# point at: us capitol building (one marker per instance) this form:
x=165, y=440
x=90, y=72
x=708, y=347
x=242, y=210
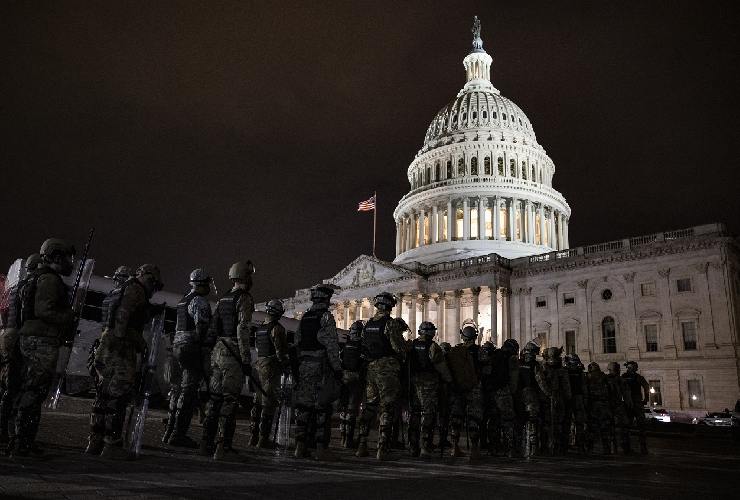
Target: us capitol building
x=482, y=234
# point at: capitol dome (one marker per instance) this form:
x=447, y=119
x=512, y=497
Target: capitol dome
x=481, y=183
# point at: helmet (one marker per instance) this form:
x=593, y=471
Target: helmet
x=469, y=332
x=427, y=328
x=593, y=367
x=199, y=277
x=322, y=292
x=614, y=368
x=241, y=270
x=153, y=271
x=122, y=273
x=445, y=347
x=531, y=347
x=633, y=363
x=573, y=361
x=357, y=327
x=385, y=301
x=275, y=307
x=552, y=356
x=33, y=261
x=511, y=345
x=56, y=245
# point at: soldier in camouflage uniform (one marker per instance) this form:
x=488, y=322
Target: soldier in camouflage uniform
x=498, y=391
x=11, y=361
x=191, y=330
x=555, y=385
x=126, y=311
x=427, y=366
x=465, y=398
x=384, y=349
x=639, y=393
x=228, y=339
x=271, y=343
x=599, y=408
x=444, y=405
x=350, y=352
x=575, y=412
x=47, y=321
x=319, y=374
x=529, y=397
x=619, y=401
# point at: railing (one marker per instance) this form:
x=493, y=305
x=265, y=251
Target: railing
x=458, y=264
x=642, y=240
x=681, y=233
x=604, y=247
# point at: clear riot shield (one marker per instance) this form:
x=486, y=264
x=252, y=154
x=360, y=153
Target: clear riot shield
x=283, y=439
x=16, y=272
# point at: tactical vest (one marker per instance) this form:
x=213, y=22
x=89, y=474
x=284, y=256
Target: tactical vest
x=598, y=386
x=420, y=360
x=263, y=341
x=350, y=354
x=526, y=376
x=500, y=375
x=137, y=319
x=575, y=377
x=185, y=322
x=309, y=327
x=633, y=383
x=374, y=340
x=228, y=316
x=27, y=296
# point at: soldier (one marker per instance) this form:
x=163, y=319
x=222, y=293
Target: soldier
x=576, y=409
x=271, y=343
x=465, y=398
x=228, y=337
x=555, y=385
x=11, y=361
x=121, y=275
x=639, y=391
x=444, y=405
x=350, y=353
x=620, y=400
x=499, y=391
x=384, y=349
x=599, y=408
x=126, y=311
x=191, y=330
x=529, y=397
x=318, y=362
x=47, y=320
x=427, y=366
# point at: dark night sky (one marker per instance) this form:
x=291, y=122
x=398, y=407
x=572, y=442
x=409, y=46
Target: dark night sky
x=196, y=134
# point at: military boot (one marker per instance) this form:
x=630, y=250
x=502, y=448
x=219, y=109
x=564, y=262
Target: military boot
x=324, y=454
x=265, y=429
x=180, y=436
x=95, y=444
x=255, y=417
x=168, y=428
x=362, y=448
x=455, y=450
x=209, y=434
x=383, y=453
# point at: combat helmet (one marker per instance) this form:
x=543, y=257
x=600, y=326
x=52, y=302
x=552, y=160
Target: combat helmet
x=53, y=246
x=357, y=327
x=573, y=361
x=275, y=307
x=511, y=345
x=614, y=368
x=32, y=262
x=121, y=274
x=322, y=292
x=385, y=301
x=153, y=271
x=241, y=270
x=427, y=328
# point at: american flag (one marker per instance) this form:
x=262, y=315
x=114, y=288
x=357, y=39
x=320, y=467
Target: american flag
x=367, y=205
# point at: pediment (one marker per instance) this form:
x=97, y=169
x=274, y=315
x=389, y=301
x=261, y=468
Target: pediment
x=366, y=270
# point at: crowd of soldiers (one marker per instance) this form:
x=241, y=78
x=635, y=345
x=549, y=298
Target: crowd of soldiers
x=378, y=375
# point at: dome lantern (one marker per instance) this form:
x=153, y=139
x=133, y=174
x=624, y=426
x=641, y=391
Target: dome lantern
x=478, y=63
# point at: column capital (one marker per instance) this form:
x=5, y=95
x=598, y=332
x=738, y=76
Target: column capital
x=664, y=272
x=458, y=293
x=475, y=290
x=582, y=283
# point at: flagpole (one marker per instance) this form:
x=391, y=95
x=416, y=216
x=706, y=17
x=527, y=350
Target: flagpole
x=375, y=219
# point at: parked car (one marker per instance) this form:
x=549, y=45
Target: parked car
x=716, y=419
x=657, y=415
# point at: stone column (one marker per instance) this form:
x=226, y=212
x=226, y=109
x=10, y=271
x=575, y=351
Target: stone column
x=409, y=231
x=398, y=309
x=422, y=227
x=476, y=303
x=554, y=243
x=466, y=218
x=449, y=220
x=496, y=216
x=347, y=321
x=505, y=314
x=425, y=307
x=442, y=317
x=567, y=238
x=433, y=225
x=530, y=222
x=358, y=309
x=482, y=218
x=541, y=210
x=456, y=309
x=512, y=219
x=412, y=316
x=493, y=291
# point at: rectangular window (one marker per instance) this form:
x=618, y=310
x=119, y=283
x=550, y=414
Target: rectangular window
x=656, y=398
x=648, y=289
x=609, y=337
x=651, y=338
x=696, y=394
x=688, y=331
x=569, y=299
x=683, y=285
x=541, y=301
x=570, y=342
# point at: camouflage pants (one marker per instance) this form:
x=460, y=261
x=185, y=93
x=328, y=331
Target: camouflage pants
x=575, y=417
x=424, y=402
x=264, y=407
x=11, y=366
x=600, y=420
x=635, y=415
x=310, y=402
x=349, y=401
x=529, y=411
x=553, y=421
x=499, y=417
x=40, y=356
x=382, y=392
x=188, y=364
x=620, y=426
x=466, y=410
x=115, y=363
x=225, y=385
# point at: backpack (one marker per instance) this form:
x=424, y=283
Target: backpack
x=462, y=364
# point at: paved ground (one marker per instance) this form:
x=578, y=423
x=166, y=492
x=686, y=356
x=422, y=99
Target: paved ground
x=677, y=467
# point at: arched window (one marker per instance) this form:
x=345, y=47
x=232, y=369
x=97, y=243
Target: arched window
x=534, y=176
x=464, y=116
x=494, y=115
x=475, y=115
x=436, y=172
x=460, y=167
x=540, y=176
x=449, y=169
x=413, y=181
x=609, y=335
x=485, y=114
x=487, y=165
x=524, y=171
x=503, y=115
x=500, y=166
x=428, y=177
x=512, y=167
x=474, y=166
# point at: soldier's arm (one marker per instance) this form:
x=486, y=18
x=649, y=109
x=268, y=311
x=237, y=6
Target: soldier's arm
x=327, y=335
x=440, y=363
x=394, y=329
x=212, y=334
x=280, y=341
x=133, y=296
x=200, y=310
x=539, y=376
x=48, y=305
x=245, y=308
x=513, y=374
x=645, y=390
